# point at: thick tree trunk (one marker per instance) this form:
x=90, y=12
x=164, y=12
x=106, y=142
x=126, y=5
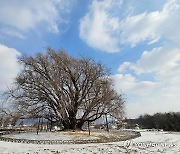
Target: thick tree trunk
x=79, y=125
x=69, y=124
x=72, y=124
x=66, y=125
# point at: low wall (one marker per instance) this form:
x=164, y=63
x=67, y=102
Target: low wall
x=130, y=135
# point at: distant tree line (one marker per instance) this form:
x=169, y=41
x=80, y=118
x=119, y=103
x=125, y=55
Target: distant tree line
x=166, y=121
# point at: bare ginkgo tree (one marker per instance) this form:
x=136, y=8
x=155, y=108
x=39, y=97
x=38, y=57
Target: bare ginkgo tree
x=58, y=87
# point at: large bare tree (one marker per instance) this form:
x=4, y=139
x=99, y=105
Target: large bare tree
x=62, y=88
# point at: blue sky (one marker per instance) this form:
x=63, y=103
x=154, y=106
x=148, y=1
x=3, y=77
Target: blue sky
x=138, y=40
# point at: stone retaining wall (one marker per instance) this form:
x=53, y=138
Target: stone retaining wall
x=123, y=138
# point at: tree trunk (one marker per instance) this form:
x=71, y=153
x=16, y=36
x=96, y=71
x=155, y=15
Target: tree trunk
x=79, y=125
x=72, y=124
x=69, y=124
x=66, y=124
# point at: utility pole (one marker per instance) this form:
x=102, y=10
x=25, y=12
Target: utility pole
x=2, y=115
x=89, y=129
x=38, y=126
x=107, y=123
x=42, y=124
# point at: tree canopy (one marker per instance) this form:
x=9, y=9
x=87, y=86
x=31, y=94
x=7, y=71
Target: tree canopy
x=58, y=87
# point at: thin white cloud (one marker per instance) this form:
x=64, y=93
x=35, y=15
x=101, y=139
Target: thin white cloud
x=124, y=67
x=129, y=84
x=153, y=26
x=159, y=95
x=11, y=32
x=159, y=61
x=21, y=16
x=103, y=29
x=9, y=66
x=98, y=28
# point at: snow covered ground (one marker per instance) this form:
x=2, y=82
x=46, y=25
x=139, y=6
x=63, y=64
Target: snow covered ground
x=69, y=135
x=149, y=142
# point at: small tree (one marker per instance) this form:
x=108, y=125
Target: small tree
x=6, y=121
x=12, y=113
x=1, y=121
x=62, y=88
x=15, y=118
